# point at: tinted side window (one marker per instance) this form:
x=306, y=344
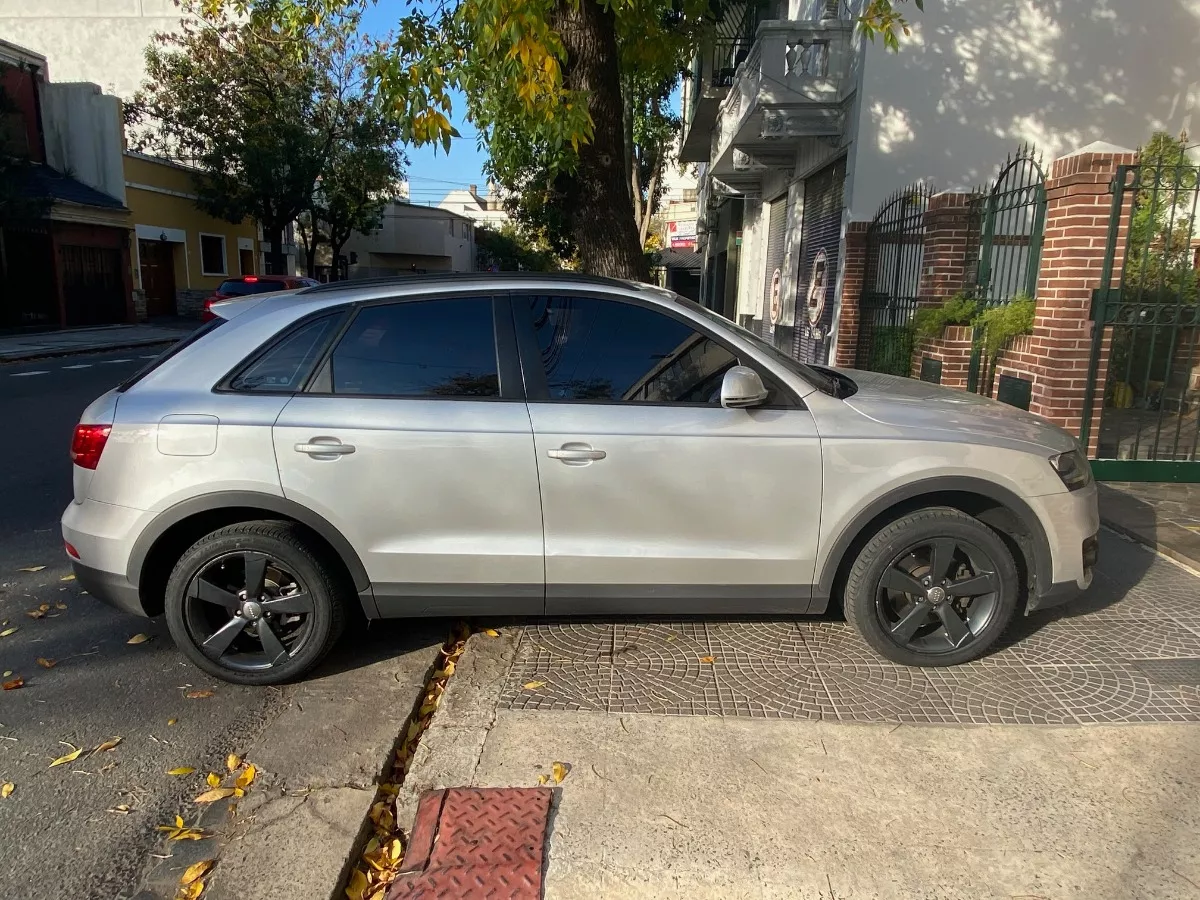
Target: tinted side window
x=594, y=349
x=287, y=365
x=422, y=348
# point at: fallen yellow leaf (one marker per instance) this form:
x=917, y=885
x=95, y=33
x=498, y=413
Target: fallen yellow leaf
x=190, y=891
x=46, y=663
x=31, y=569
x=108, y=745
x=67, y=578
x=561, y=771
x=13, y=684
x=181, y=770
x=358, y=886
x=36, y=614
x=60, y=606
x=533, y=685
x=172, y=721
x=213, y=779
x=45, y=607
x=70, y=757
x=543, y=779
x=121, y=808
x=708, y=659
x=6, y=789
x=138, y=639
x=196, y=870
x=492, y=632
x=7, y=672
x=7, y=631
x=246, y=778
x=214, y=795
x=232, y=761
x=197, y=695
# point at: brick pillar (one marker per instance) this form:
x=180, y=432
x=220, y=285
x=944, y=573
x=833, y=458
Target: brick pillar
x=1078, y=208
x=944, y=274
x=853, y=272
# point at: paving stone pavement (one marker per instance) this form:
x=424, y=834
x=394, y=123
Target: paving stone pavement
x=1126, y=651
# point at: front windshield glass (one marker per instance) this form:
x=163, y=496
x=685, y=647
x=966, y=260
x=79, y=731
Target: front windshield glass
x=819, y=380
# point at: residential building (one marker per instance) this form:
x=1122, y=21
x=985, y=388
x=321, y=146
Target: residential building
x=71, y=267
x=181, y=254
x=413, y=239
x=798, y=125
x=483, y=209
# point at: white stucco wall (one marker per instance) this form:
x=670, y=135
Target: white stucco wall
x=102, y=41
x=980, y=76
x=417, y=231
x=84, y=135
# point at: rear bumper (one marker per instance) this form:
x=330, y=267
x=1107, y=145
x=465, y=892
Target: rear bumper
x=115, y=590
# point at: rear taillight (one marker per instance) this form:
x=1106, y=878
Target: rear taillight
x=88, y=443
x=71, y=551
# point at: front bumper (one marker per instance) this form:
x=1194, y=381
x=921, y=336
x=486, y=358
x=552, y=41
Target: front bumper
x=1060, y=592
x=115, y=590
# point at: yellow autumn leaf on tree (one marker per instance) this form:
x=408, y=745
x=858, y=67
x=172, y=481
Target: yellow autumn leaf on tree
x=214, y=795
x=196, y=871
x=181, y=770
x=6, y=789
x=232, y=761
x=246, y=778
x=70, y=757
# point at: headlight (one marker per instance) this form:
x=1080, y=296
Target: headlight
x=1073, y=469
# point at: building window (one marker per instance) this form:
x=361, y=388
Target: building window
x=689, y=195
x=212, y=254
x=450, y=222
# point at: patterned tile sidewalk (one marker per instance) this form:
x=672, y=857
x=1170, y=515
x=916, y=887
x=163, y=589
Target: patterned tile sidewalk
x=1127, y=651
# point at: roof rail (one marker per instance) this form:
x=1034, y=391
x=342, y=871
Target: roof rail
x=444, y=277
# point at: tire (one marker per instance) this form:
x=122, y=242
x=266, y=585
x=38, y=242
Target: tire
x=883, y=604
x=301, y=601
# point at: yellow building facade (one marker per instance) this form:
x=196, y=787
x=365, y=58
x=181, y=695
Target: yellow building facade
x=180, y=253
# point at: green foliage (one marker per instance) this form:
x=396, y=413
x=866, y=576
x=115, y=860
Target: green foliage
x=883, y=18
x=1158, y=260
x=510, y=250
x=997, y=325
x=892, y=349
x=930, y=321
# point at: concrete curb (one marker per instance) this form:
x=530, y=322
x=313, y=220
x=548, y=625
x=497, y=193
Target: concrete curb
x=76, y=351
x=1148, y=540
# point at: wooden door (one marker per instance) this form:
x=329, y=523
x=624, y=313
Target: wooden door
x=158, y=277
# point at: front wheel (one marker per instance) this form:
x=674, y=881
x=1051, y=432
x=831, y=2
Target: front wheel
x=934, y=588
x=255, y=603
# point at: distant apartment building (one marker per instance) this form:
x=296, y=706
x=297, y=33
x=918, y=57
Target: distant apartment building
x=413, y=239
x=482, y=209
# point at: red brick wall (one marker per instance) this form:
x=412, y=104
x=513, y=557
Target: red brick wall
x=852, y=286
x=944, y=267
x=953, y=349
x=1078, y=209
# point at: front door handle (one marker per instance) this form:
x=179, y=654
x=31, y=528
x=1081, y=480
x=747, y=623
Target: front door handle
x=325, y=448
x=576, y=454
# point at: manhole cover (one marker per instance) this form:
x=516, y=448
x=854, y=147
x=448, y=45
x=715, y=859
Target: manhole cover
x=1170, y=671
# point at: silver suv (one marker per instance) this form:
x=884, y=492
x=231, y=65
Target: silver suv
x=480, y=445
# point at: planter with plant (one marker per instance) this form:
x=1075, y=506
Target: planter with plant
x=931, y=322
x=996, y=326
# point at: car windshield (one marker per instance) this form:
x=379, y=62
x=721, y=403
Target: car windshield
x=826, y=384
x=239, y=288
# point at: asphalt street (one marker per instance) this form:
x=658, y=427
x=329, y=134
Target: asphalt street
x=60, y=834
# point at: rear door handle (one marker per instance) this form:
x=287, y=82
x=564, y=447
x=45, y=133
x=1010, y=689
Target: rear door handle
x=325, y=448
x=576, y=454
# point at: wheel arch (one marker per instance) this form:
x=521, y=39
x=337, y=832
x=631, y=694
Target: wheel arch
x=993, y=504
x=176, y=528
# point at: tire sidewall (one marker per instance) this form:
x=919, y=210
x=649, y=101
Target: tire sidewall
x=881, y=550
x=210, y=548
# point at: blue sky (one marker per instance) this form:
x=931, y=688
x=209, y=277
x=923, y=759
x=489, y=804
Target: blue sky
x=431, y=172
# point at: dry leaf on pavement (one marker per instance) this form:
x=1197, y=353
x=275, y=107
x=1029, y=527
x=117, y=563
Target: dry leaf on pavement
x=190, y=891
x=46, y=663
x=121, y=809
x=172, y=721
x=31, y=569
x=181, y=832
x=561, y=770
x=7, y=631
x=246, y=778
x=60, y=606
x=213, y=779
x=197, y=695
x=708, y=659
x=533, y=685
x=70, y=757
x=6, y=789
x=195, y=871
x=108, y=745
x=67, y=578
x=35, y=614
x=13, y=684
x=212, y=796
x=232, y=761
x=181, y=770
x=138, y=639
x=492, y=632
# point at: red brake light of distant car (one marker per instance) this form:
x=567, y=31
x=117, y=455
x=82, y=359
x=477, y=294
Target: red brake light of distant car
x=250, y=279
x=88, y=443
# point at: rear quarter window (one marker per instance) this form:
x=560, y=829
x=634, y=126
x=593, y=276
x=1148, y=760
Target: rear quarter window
x=200, y=332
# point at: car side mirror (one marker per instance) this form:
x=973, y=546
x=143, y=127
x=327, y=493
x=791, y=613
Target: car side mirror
x=741, y=388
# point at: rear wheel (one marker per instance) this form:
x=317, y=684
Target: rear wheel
x=255, y=603
x=934, y=588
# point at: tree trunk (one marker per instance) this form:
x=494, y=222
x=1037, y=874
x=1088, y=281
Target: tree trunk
x=647, y=211
x=596, y=196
